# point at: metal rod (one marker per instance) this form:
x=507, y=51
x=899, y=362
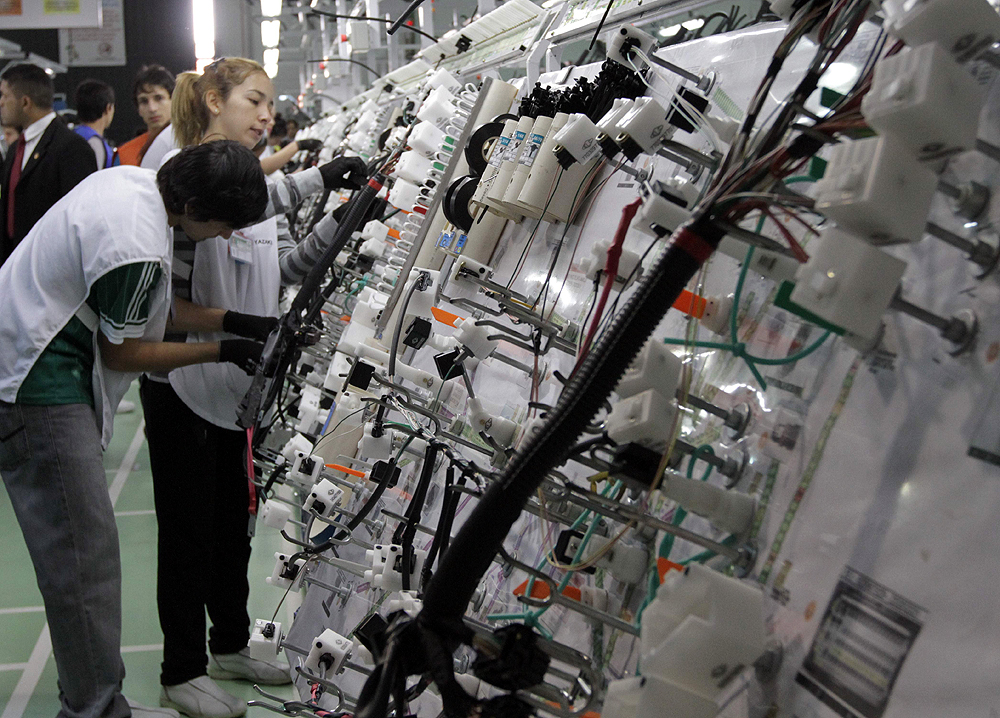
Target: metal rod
x=955, y=240
x=919, y=313
x=699, y=403
x=676, y=69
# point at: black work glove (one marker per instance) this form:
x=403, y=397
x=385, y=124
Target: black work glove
x=244, y=353
x=248, y=325
x=310, y=144
x=344, y=173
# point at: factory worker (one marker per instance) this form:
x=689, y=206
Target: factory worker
x=202, y=494
x=86, y=297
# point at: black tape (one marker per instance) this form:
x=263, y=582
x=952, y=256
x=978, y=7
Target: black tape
x=477, y=150
x=456, y=202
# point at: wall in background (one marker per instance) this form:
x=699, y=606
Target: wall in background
x=155, y=32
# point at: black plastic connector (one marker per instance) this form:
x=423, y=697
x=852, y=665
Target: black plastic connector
x=378, y=472
x=417, y=334
x=521, y=663
x=361, y=375
x=635, y=465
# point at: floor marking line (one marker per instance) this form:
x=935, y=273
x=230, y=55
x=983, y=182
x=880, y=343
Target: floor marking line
x=141, y=512
x=12, y=667
x=22, y=609
x=143, y=649
x=25, y=688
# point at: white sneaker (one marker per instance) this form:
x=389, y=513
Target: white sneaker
x=240, y=666
x=202, y=697
x=141, y=711
x=125, y=407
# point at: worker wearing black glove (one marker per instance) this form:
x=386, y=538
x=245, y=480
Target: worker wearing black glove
x=244, y=353
x=248, y=325
x=310, y=144
x=344, y=173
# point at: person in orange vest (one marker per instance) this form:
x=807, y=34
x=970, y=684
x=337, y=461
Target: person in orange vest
x=153, y=88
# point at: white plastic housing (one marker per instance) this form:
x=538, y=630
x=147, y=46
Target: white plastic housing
x=767, y=264
x=964, y=27
x=662, y=213
x=699, y=620
x=376, y=448
x=608, y=124
x=641, y=40
x=407, y=602
x=877, y=189
x=729, y=511
x=644, y=419
x=298, y=444
x=924, y=97
x=716, y=315
x=328, y=653
x=848, y=282
x=426, y=139
x=274, y=514
x=645, y=124
x=306, y=468
x=596, y=261
x=386, y=572
x=622, y=698
x=475, y=338
x=282, y=566
x=579, y=138
x=265, y=641
x=655, y=367
x=324, y=498
x=498, y=428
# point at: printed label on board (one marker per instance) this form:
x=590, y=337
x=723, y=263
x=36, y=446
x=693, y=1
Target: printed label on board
x=498, y=154
x=514, y=146
x=460, y=244
x=531, y=151
x=865, y=635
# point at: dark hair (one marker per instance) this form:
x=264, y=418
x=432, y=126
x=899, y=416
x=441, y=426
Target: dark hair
x=31, y=80
x=92, y=99
x=216, y=181
x=280, y=128
x=152, y=76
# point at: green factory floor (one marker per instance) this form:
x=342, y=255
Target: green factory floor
x=27, y=669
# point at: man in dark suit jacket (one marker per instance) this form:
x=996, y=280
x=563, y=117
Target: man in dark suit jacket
x=51, y=158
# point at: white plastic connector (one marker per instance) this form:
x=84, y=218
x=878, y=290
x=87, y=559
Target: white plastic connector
x=665, y=206
x=387, y=567
x=726, y=510
x=609, y=124
x=309, y=410
x=644, y=419
x=306, y=469
x=464, y=266
x=716, y=315
x=876, y=189
x=274, y=514
x=298, y=444
x=577, y=140
x=324, y=498
x=498, y=428
x=964, y=27
x=625, y=562
x=625, y=41
x=643, y=127
x=376, y=448
x=655, y=367
x=265, y=641
x=328, y=653
x=924, y=97
x=767, y=264
x=629, y=268
x=475, y=338
x=700, y=620
x=286, y=575
x=848, y=282
x=407, y=602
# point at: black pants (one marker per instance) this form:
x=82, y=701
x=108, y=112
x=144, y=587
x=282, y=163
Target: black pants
x=201, y=495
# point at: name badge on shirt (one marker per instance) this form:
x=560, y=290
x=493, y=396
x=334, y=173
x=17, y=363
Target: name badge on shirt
x=241, y=248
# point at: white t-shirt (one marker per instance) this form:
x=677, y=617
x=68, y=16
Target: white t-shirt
x=47, y=279
x=165, y=142
x=239, y=274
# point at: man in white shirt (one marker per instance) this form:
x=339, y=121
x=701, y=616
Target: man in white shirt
x=86, y=299
x=44, y=164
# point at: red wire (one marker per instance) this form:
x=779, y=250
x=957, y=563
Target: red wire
x=251, y=474
x=611, y=272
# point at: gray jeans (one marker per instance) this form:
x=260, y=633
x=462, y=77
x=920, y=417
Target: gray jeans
x=52, y=465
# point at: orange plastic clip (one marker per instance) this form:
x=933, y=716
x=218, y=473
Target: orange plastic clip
x=346, y=470
x=541, y=590
x=691, y=304
x=663, y=565
x=445, y=317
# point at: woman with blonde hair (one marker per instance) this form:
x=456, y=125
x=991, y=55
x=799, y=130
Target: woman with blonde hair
x=197, y=452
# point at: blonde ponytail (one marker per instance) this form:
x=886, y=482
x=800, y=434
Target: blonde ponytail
x=188, y=111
